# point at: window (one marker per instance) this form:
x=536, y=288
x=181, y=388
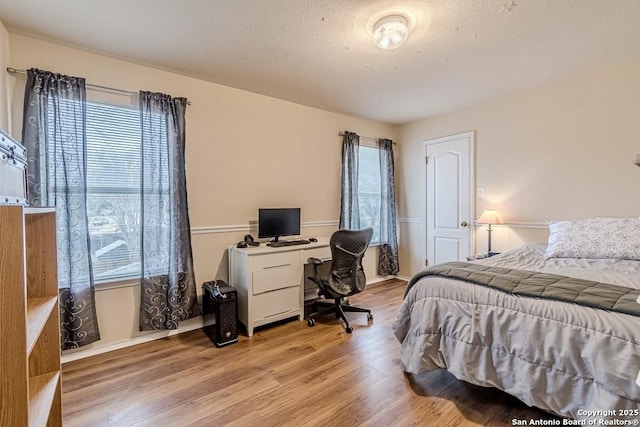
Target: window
x=369, y=196
x=113, y=160
x=113, y=190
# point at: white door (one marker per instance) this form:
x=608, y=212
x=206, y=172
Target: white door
x=449, y=201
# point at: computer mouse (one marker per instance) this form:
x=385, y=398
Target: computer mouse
x=313, y=239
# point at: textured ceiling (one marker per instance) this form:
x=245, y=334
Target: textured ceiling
x=319, y=52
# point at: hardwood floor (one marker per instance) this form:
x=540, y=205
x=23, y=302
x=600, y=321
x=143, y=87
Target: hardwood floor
x=285, y=375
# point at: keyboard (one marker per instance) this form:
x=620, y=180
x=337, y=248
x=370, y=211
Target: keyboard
x=283, y=243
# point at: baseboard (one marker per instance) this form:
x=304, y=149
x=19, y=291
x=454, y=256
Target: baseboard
x=88, y=352
x=378, y=280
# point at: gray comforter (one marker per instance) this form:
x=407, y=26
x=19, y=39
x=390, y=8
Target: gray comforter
x=541, y=285
x=558, y=356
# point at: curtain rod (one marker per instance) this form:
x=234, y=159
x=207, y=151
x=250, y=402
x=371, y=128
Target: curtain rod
x=12, y=70
x=365, y=137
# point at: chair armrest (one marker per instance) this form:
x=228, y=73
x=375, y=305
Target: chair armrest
x=316, y=276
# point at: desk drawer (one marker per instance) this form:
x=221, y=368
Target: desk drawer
x=274, y=303
x=258, y=262
x=274, y=278
x=320, y=253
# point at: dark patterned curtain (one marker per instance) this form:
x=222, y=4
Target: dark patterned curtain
x=349, y=206
x=388, y=259
x=54, y=133
x=168, y=289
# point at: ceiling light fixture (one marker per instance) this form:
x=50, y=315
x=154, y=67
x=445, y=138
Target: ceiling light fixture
x=390, y=32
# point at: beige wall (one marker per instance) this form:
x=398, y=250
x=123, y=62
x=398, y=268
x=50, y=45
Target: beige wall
x=244, y=151
x=5, y=92
x=557, y=152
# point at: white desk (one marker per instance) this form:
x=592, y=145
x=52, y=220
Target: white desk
x=270, y=281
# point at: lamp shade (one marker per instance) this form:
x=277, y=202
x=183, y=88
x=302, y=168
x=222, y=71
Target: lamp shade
x=489, y=216
x=390, y=32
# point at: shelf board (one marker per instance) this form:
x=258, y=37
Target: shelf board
x=38, y=312
x=42, y=391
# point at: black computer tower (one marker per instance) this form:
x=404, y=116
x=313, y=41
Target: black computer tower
x=221, y=301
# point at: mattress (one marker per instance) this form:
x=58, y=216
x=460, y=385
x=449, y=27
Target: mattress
x=561, y=357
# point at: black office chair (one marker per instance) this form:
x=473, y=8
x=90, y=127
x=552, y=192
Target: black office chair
x=346, y=276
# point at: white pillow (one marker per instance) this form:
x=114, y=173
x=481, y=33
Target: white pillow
x=595, y=238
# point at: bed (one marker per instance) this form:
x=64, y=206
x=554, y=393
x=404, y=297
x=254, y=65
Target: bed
x=560, y=356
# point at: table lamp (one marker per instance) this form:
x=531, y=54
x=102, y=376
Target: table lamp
x=489, y=217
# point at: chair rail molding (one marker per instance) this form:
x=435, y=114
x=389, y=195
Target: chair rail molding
x=410, y=220
x=517, y=224
x=217, y=229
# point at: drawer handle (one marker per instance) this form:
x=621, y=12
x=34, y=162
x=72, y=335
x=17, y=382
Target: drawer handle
x=293, y=285
x=276, y=266
x=277, y=314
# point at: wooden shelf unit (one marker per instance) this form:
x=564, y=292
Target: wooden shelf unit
x=30, y=393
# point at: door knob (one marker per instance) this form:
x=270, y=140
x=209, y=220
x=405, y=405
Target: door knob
x=464, y=223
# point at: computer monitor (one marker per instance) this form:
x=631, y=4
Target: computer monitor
x=273, y=223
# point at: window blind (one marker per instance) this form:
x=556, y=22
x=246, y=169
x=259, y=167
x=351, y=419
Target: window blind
x=369, y=189
x=113, y=190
